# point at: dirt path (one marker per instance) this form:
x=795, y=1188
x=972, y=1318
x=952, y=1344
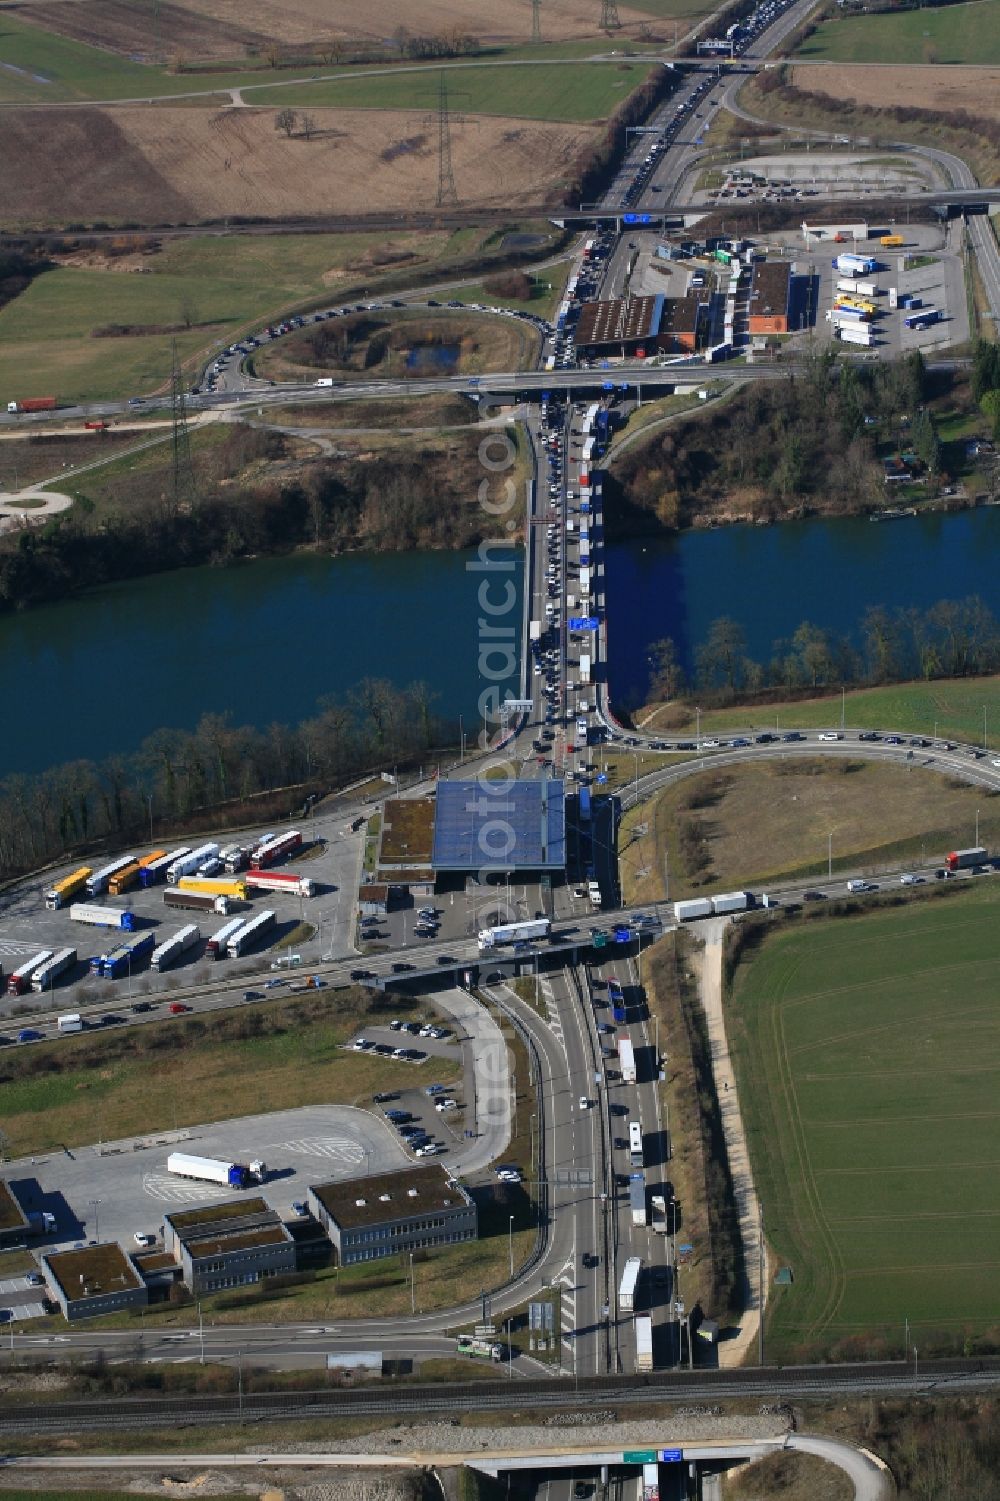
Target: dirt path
x=732, y=1352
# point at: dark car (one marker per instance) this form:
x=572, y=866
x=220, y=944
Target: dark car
x=792, y=736
x=445, y=959
x=111, y=1020
x=401, y=965
x=384, y=1098
x=140, y=1007
x=361, y=974
x=814, y=896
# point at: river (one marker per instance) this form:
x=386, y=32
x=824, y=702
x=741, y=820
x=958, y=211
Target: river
x=261, y=641
x=771, y=579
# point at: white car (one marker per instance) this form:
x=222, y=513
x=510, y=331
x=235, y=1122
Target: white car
x=827, y=735
x=142, y=1239
x=446, y=1104
x=584, y=1102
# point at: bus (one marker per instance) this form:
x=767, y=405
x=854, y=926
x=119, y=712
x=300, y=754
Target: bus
x=584, y=804
x=616, y=1000
x=635, y=1144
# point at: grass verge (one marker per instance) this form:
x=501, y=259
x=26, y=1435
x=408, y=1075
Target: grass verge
x=948, y=708
x=955, y=34
x=778, y=820
x=186, y=1071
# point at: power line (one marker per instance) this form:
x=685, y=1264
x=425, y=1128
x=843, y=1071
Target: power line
x=447, y=192
x=184, y=489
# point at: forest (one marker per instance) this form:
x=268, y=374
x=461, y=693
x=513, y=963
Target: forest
x=776, y=449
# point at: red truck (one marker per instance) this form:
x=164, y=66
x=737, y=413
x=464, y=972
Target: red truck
x=98, y=426
x=33, y=404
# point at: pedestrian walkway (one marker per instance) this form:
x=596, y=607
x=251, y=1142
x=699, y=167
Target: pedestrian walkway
x=733, y=1352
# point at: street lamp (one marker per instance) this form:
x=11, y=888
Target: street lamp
x=413, y=1289
x=829, y=857
x=510, y=1242
x=95, y=1205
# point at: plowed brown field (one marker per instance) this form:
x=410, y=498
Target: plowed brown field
x=226, y=28
x=162, y=164
x=974, y=89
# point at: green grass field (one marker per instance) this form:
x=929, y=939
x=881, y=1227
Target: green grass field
x=952, y=34
x=951, y=708
x=542, y=92
x=868, y=1057
x=46, y=344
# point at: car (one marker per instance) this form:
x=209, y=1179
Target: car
x=429, y=1149
x=709, y=744
x=34, y=1279
x=444, y=959
x=908, y=879
x=413, y=1028
x=869, y=735
x=140, y=1007
x=814, y=896
x=400, y=966
x=590, y=1259
x=433, y=1089
x=384, y=1098
x=299, y=1208
x=400, y=1052
x=507, y=1173
x=581, y=1489
x=827, y=735
x=272, y=984
x=395, y=1025
x=408, y=1130
x=361, y=1044
x=362, y=974
x=584, y=1102
x=29, y=1034
x=446, y=1104
x=249, y=995
x=142, y=1239
x=177, y=1008
x=110, y=1019
x=383, y=1049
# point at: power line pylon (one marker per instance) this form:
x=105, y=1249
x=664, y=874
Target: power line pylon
x=536, y=20
x=447, y=192
x=609, y=15
x=183, y=471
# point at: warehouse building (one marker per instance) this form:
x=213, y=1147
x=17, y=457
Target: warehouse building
x=228, y=1245
x=770, y=297
x=487, y=828
x=369, y=1218
x=640, y=326
x=94, y=1280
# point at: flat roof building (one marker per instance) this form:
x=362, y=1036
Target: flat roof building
x=369, y=1218
x=628, y=325
x=228, y=1245
x=492, y=827
x=14, y=1223
x=94, y=1280
x=770, y=297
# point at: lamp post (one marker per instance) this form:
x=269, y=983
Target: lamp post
x=413, y=1288
x=697, y=736
x=829, y=857
x=95, y=1205
x=510, y=1242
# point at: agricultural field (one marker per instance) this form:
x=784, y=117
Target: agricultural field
x=950, y=708
x=771, y=821
x=200, y=292
x=867, y=1052
x=975, y=89
x=224, y=30
x=162, y=164
x=543, y=91
x=952, y=34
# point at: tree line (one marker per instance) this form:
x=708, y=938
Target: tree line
x=951, y=639
x=216, y=775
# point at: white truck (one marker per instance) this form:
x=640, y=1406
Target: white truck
x=72, y=1022
x=185, y=865
x=644, y=1344
x=213, y=1170
x=584, y=667
x=45, y=976
x=629, y=1283
x=658, y=1216
x=731, y=901
x=698, y=906
x=626, y=1057
x=513, y=933
x=176, y=945
x=98, y=882
x=855, y=334
x=637, y=1197
x=594, y=894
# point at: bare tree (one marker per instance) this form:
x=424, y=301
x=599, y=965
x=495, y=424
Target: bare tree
x=307, y=125
x=286, y=120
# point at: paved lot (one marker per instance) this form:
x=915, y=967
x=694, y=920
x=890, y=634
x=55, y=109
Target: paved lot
x=26, y=926
x=19, y=1300
x=110, y=1191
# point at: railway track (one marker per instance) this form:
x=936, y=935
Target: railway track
x=772, y=1383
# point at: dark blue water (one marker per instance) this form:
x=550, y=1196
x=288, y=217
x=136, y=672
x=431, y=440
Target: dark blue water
x=432, y=359
x=261, y=642
x=771, y=579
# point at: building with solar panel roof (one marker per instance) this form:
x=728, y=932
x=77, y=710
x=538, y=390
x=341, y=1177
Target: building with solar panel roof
x=494, y=828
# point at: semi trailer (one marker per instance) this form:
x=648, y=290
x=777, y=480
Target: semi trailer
x=514, y=932
x=195, y=901
x=19, y=980
x=64, y=890
x=102, y=917
x=48, y=973
x=214, y=1170
x=176, y=945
